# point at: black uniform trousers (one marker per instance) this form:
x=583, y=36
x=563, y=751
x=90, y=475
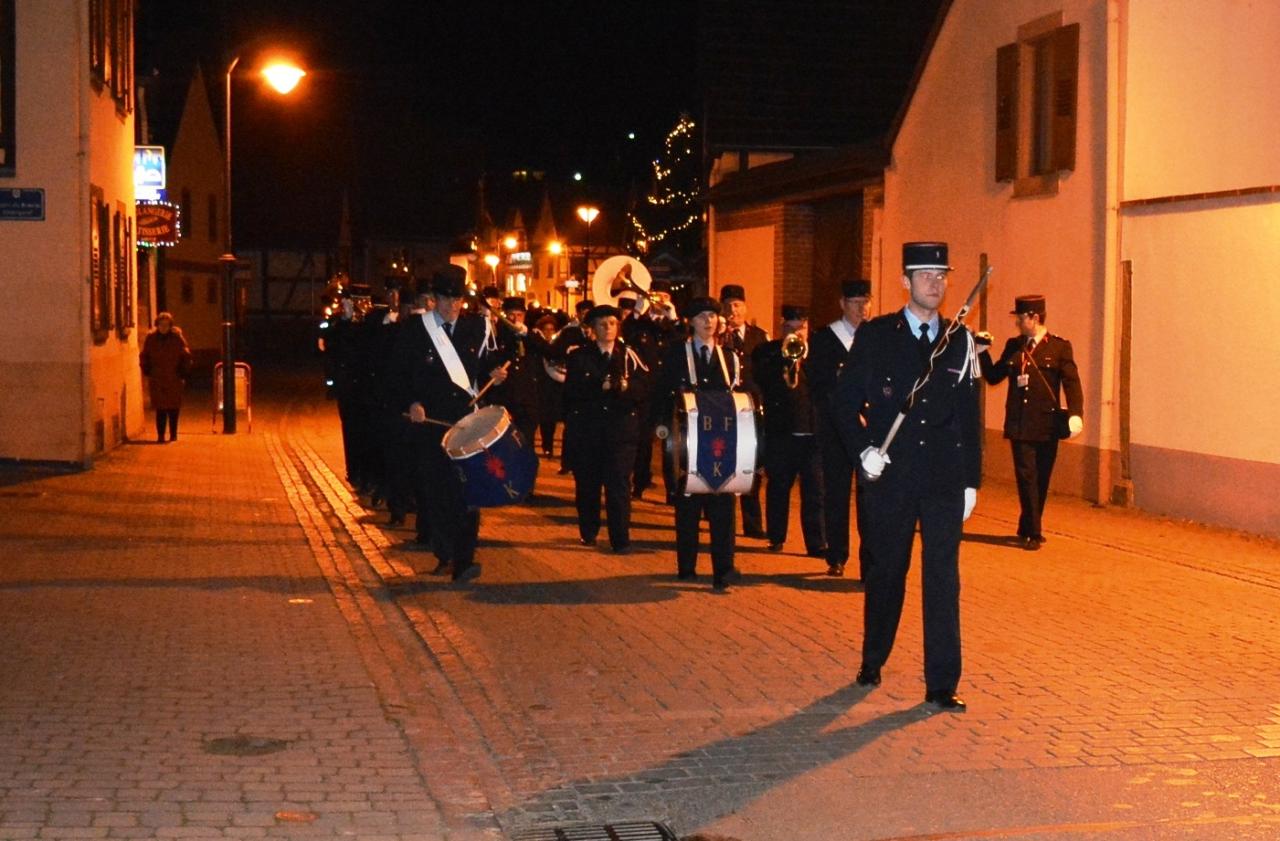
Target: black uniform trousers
x=607, y=469
x=752, y=518
x=896, y=508
x=1032, y=467
x=837, y=499
x=642, y=478
x=357, y=439
x=719, y=511
x=454, y=530
x=788, y=457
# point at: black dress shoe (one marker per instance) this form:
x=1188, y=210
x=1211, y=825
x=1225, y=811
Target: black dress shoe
x=775, y=547
x=758, y=534
x=719, y=585
x=443, y=568
x=1040, y=538
x=868, y=676
x=471, y=573
x=835, y=570
x=621, y=548
x=686, y=575
x=731, y=576
x=1030, y=544
x=945, y=701
x=587, y=541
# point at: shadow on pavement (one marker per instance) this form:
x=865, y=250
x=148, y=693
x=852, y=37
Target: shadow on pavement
x=621, y=589
x=991, y=539
x=696, y=786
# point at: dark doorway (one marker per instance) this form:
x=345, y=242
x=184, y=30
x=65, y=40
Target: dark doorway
x=837, y=254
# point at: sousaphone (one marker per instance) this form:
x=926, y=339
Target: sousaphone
x=621, y=274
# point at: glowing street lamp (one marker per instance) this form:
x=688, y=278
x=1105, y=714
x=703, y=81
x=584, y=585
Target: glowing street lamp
x=283, y=77
x=491, y=260
x=588, y=213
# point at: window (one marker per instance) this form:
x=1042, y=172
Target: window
x=111, y=50
x=188, y=289
x=1036, y=93
x=99, y=265
x=8, y=91
x=213, y=218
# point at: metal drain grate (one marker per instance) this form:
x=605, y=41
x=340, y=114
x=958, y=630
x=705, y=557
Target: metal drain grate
x=631, y=831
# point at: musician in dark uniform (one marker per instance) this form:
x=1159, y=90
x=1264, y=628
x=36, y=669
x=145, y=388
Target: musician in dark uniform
x=570, y=336
x=1040, y=367
x=714, y=368
x=516, y=348
x=606, y=390
x=790, y=451
x=550, y=384
x=654, y=330
x=440, y=363
x=346, y=351
x=829, y=350
x=743, y=339
x=930, y=474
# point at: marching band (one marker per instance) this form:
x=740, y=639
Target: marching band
x=464, y=386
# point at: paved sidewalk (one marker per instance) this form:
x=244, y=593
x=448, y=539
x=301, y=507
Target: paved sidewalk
x=1121, y=681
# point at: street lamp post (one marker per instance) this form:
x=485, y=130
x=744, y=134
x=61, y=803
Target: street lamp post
x=588, y=213
x=284, y=78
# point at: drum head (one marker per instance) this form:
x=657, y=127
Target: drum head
x=476, y=431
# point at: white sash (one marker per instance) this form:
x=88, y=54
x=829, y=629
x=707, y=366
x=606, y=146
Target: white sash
x=724, y=369
x=843, y=332
x=448, y=353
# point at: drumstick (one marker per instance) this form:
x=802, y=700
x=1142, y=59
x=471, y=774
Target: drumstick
x=428, y=420
x=480, y=394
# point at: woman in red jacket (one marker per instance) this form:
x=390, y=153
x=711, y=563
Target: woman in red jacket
x=166, y=363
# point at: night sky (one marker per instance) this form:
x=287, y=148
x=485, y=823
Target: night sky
x=408, y=103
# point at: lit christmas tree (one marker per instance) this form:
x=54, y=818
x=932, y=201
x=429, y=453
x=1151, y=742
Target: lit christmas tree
x=670, y=217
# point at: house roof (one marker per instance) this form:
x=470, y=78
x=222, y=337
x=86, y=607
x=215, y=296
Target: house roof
x=795, y=76
x=812, y=176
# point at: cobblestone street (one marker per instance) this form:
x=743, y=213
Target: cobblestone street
x=1121, y=682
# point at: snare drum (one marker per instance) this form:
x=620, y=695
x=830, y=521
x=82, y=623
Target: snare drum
x=496, y=465
x=713, y=447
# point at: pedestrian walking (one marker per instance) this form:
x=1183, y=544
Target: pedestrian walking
x=166, y=363
x=1040, y=368
x=829, y=351
x=930, y=474
x=790, y=451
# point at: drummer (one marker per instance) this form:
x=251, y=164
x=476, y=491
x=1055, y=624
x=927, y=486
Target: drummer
x=606, y=388
x=438, y=365
x=714, y=369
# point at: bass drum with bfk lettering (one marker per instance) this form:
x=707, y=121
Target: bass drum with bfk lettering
x=713, y=446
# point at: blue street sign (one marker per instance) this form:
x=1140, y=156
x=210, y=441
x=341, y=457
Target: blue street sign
x=22, y=205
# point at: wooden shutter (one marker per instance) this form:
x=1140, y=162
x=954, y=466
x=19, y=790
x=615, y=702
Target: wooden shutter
x=1007, y=112
x=1066, y=63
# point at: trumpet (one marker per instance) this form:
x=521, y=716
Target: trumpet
x=794, y=350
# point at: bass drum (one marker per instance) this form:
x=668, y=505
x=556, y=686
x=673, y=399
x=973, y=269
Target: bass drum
x=713, y=446
x=496, y=465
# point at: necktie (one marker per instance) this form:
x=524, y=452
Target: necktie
x=924, y=343
x=706, y=356
x=1031, y=343
x=448, y=329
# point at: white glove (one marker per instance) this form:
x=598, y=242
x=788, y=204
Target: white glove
x=970, y=501
x=661, y=431
x=1076, y=424
x=872, y=462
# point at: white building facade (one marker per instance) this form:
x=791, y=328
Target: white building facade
x=1117, y=157
x=70, y=386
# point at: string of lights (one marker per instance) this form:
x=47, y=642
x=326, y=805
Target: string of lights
x=676, y=188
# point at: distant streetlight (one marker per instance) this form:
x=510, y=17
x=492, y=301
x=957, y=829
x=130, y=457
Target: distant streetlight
x=588, y=213
x=491, y=260
x=511, y=242
x=283, y=77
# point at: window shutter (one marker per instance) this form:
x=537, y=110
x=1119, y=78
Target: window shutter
x=1066, y=61
x=1007, y=112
